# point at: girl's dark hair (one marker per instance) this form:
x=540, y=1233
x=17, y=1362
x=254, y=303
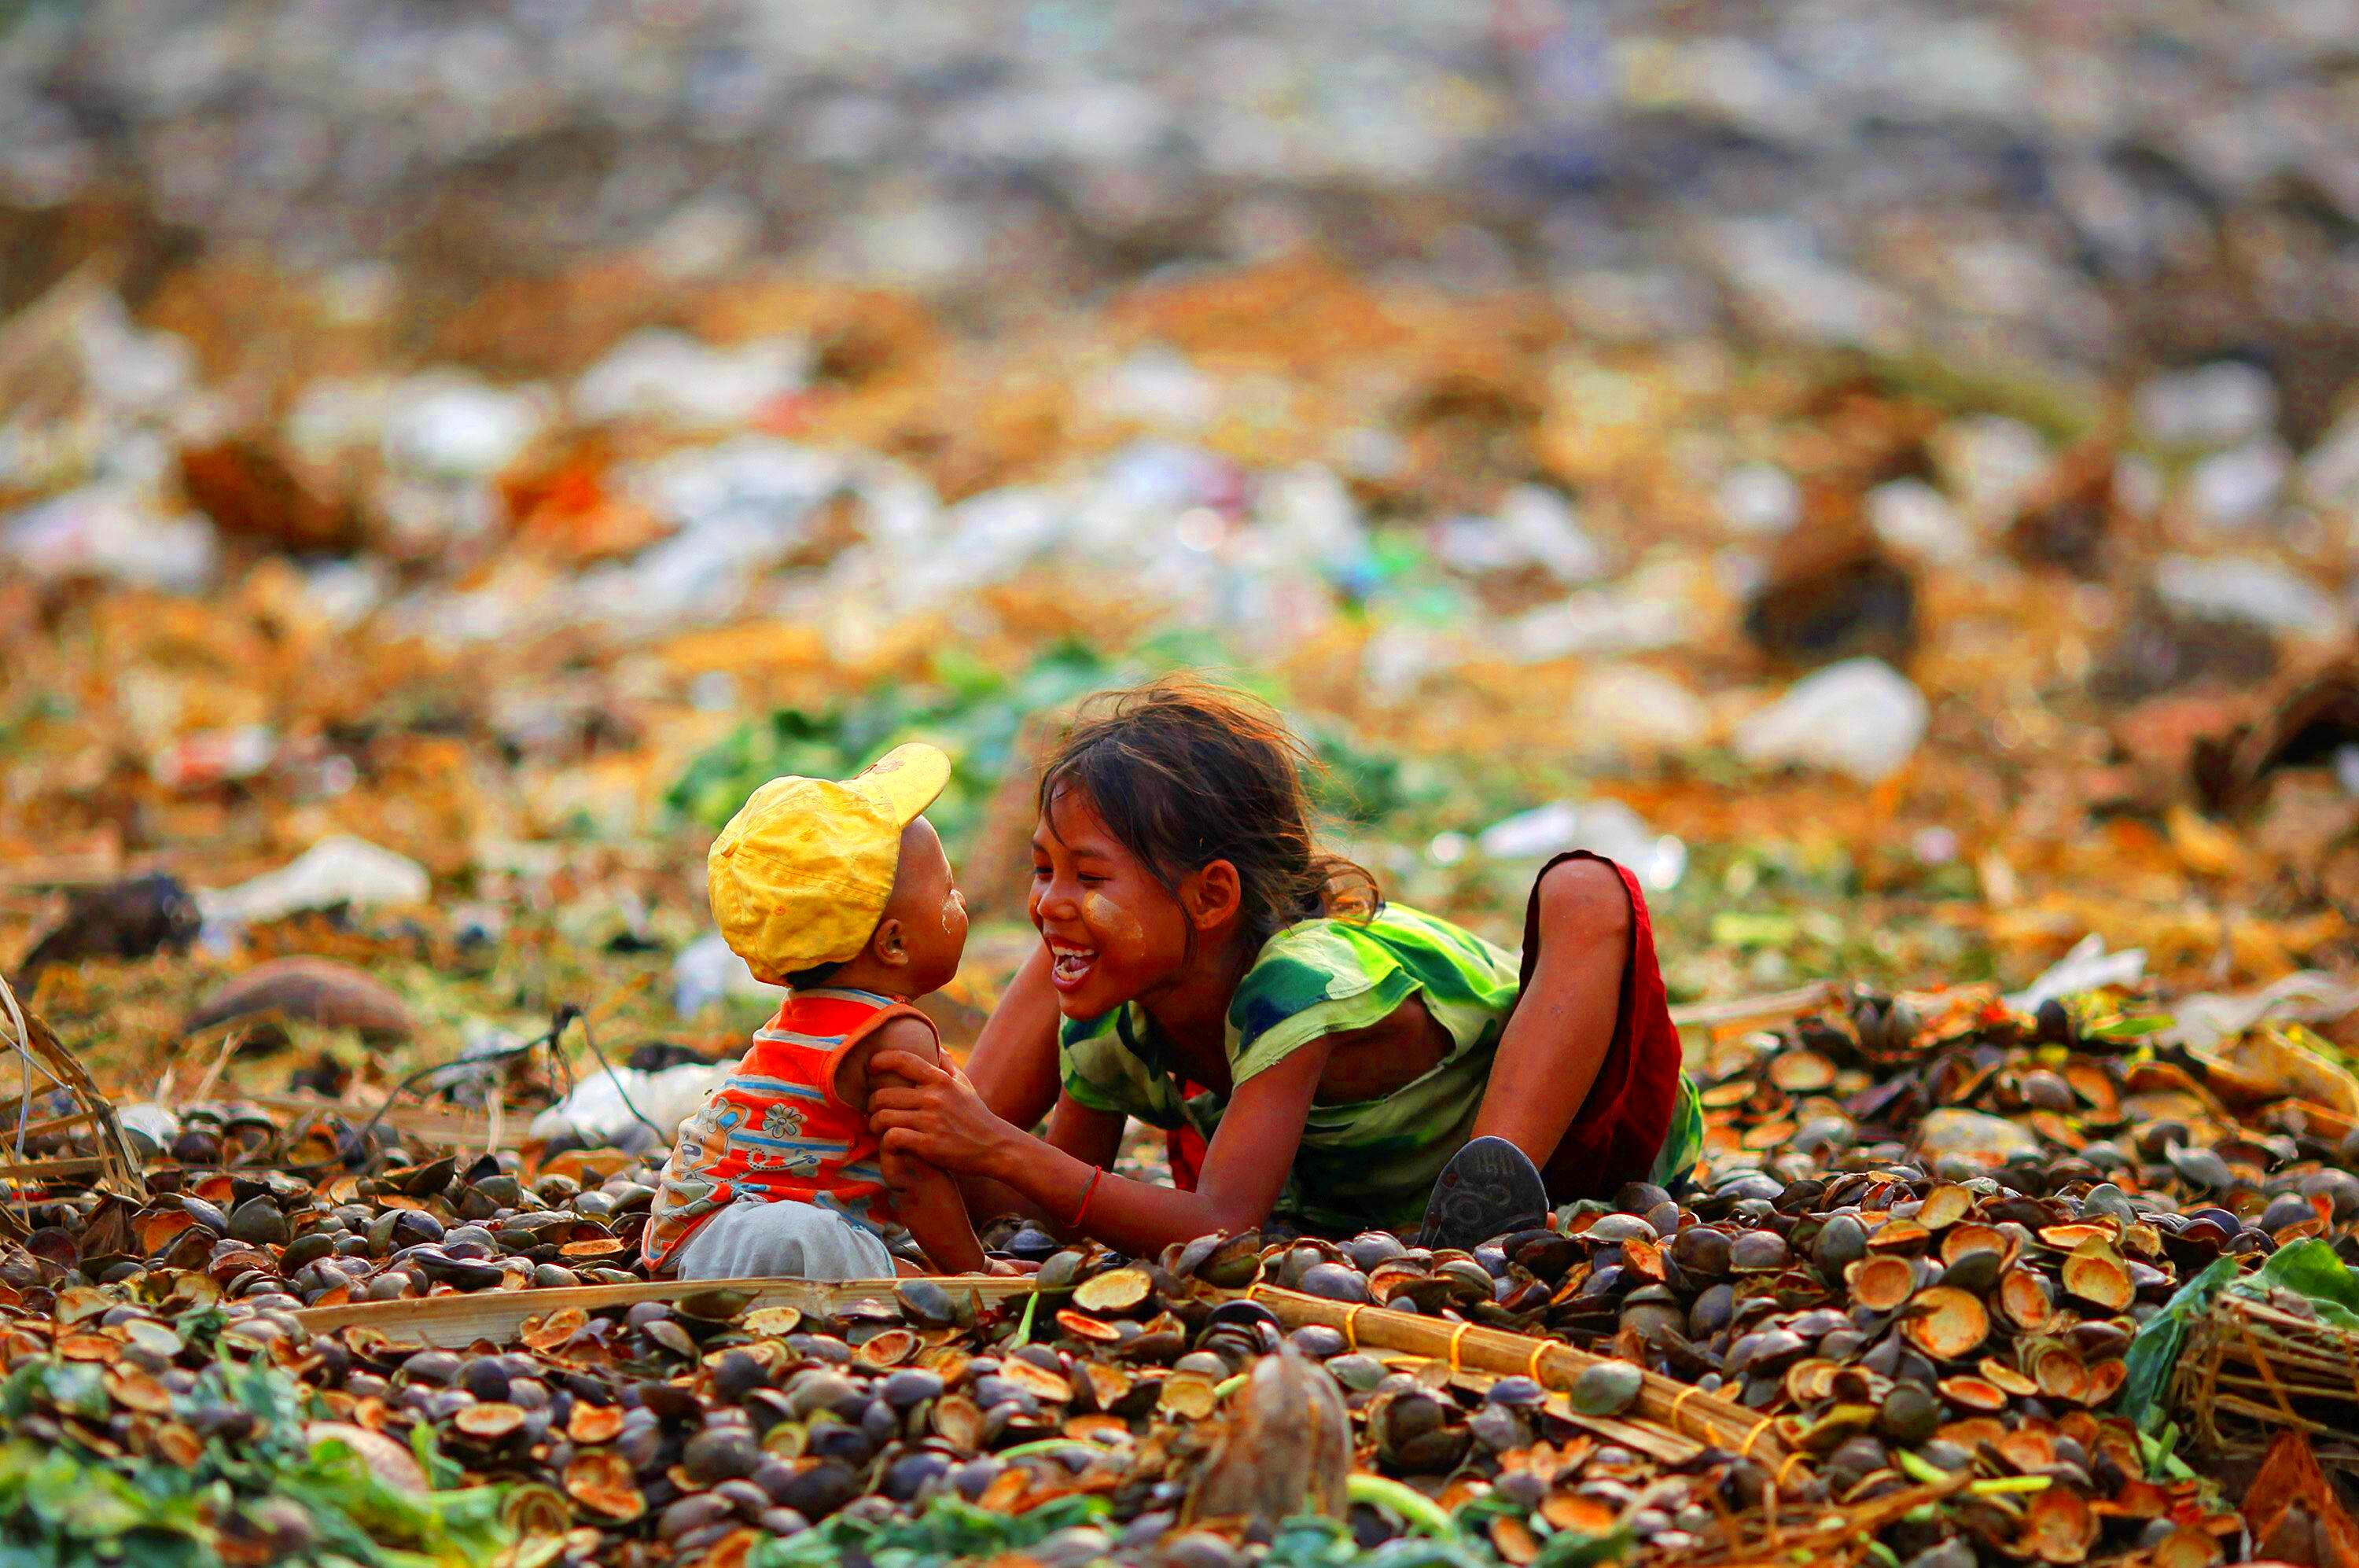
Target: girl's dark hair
x=1184, y=772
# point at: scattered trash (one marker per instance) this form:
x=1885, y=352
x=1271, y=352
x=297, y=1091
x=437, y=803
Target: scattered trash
x=130, y=919
x=606, y=1109
x=1974, y=1138
x=1607, y=827
x=1760, y=499
x=2087, y=967
x=112, y=532
x=339, y=870
x=425, y=437
x=706, y=971
x=2259, y=592
x=1534, y=528
x=663, y=375
x=215, y=756
x=2211, y=406
x=1860, y=717
x=2202, y=1021
x=307, y=990
x=1623, y=708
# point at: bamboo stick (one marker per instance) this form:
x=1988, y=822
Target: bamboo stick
x=461, y=1319
x=1669, y=1418
x=1657, y=1443
x=1700, y=1417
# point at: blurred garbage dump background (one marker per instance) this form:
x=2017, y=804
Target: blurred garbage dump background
x=1886, y=471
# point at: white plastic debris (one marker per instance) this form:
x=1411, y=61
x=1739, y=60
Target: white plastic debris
x=2087, y=967
x=706, y=971
x=1605, y=827
x=150, y=1123
x=2235, y=488
x=2211, y=406
x=1534, y=527
x=447, y=425
x=2305, y=996
x=2251, y=589
x=664, y=374
x=210, y=757
x=1653, y=608
x=127, y=366
x=339, y=870
x=595, y=1113
x=1914, y=519
x=1160, y=387
x=1629, y=707
x=1859, y=717
x=114, y=531
x=702, y=239
x=1989, y=462
x=1760, y=498
x=2330, y=470
x=740, y=508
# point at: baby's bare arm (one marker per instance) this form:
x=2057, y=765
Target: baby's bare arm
x=925, y=1198
x=897, y=1034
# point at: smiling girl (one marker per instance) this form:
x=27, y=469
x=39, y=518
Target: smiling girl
x=1315, y=1052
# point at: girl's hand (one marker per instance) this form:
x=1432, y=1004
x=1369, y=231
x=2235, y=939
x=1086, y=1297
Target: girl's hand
x=921, y=1108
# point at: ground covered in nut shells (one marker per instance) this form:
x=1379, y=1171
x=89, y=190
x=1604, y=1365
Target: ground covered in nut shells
x=1906, y=1294
x=1886, y=474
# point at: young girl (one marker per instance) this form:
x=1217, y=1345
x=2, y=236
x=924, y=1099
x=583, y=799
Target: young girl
x=1317, y=1053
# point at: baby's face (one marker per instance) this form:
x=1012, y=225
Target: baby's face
x=931, y=912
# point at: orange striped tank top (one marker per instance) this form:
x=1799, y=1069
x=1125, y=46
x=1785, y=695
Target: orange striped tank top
x=775, y=1132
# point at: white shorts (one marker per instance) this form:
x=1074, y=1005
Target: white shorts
x=800, y=1241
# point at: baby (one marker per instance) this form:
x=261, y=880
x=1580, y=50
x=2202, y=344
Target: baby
x=841, y=892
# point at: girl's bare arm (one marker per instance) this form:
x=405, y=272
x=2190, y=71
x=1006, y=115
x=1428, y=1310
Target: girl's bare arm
x=937, y=1118
x=1014, y=1067
x=1014, y=1064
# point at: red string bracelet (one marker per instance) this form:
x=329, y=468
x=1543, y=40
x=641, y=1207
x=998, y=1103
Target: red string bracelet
x=1087, y=1193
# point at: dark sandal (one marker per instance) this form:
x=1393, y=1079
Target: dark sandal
x=1488, y=1189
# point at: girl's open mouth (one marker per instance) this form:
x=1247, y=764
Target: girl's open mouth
x=1071, y=966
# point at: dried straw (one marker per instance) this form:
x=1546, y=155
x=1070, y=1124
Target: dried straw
x=2250, y=1369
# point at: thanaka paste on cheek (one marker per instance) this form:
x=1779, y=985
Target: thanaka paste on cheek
x=1113, y=925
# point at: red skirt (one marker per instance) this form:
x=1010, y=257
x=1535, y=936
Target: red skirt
x=1620, y=1127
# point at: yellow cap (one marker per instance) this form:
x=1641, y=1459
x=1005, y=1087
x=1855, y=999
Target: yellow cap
x=802, y=873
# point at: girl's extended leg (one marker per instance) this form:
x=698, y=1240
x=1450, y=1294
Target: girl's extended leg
x=1586, y=1075
x=1565, y=1020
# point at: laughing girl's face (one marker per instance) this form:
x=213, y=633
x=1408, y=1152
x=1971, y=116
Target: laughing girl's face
x=1116, y=933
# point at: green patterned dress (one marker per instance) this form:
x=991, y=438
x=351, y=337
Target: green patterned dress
x=1366, y=1162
